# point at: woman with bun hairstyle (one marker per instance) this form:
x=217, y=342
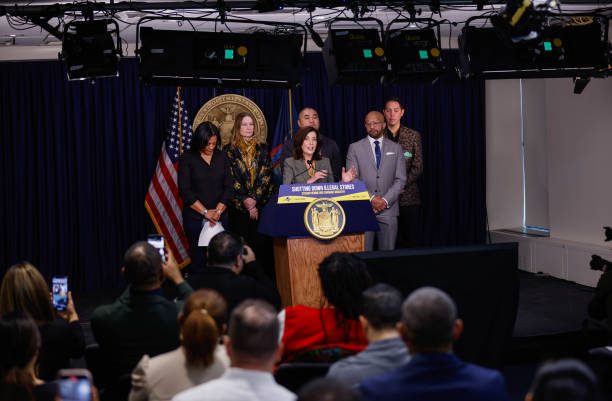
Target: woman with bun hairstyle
x=199, y=358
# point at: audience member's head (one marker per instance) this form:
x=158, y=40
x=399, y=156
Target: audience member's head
x=142, y=266
x=328, y=389
x=202, y=323
x=429, y=321
x=225, y=250
x=19, y=344
x=382, y=308
x=344, y=277
x=253, y=335
x=25, y=291
x=564, y=380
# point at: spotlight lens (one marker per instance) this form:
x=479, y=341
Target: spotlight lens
x=435, y=52
x=379, y=51
x=242, y=51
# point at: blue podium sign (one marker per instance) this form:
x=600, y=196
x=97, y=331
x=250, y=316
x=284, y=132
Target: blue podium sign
x=284, y=216
x=338, y=191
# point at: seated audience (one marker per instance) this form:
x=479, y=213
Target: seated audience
x=328, y=389
x=253, y=349
x=429, y=326
x=234, y=272
x=141, y=321
x=25, y=291
x=200, y=357
x=381, y=311
x=19, y=346
x=564, y=380
x=332, y=331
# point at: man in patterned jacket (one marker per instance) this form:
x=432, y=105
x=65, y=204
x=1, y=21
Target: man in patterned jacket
x=410, y=200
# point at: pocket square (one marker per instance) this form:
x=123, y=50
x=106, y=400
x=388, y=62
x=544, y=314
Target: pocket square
x=389, y=153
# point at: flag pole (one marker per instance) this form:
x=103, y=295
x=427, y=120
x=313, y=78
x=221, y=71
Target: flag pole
x=180, y=119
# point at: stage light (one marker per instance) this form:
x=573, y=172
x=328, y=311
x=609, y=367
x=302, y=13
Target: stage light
x=413, y=54
x=354, y=56
x=91, y=49
x=219, y=58
x=561, y=50
x=522, y=20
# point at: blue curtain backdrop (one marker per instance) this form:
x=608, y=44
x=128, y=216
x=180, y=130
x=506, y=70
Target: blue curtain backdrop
x=77, y=158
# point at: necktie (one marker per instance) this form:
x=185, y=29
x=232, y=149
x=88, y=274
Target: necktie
x=377, y=153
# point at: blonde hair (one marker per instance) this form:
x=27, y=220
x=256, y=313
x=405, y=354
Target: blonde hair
x=24, y=290
x=202, y=323
x=236, y=129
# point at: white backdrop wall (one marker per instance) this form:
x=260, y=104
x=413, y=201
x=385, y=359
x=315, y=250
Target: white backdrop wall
x=567, y=185
x=579, y=131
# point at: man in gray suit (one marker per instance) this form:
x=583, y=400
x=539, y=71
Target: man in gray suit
x=379, y=163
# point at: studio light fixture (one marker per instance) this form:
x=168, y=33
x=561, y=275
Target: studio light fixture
x=219, y=58
x=563, y=49
x=354, y=55
x=91, y=49
x=414, y=53
x=522, y=20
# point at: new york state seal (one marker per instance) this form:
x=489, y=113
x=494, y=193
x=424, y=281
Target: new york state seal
x=324, y=218
x=222, y=111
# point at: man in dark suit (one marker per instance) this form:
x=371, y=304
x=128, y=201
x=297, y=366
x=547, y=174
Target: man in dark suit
x=234, y=272
x=429, y=326
x=309, y=117
x=379, y=163
x=141, y=321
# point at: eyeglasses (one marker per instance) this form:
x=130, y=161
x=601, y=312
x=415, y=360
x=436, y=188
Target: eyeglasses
x=373, y=123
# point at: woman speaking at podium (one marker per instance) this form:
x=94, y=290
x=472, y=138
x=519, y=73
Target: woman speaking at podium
x=307, y=166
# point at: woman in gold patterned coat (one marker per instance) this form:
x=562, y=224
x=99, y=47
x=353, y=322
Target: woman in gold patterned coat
x=251, y=169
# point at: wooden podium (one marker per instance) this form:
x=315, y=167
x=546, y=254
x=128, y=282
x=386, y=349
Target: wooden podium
x=297, y=254
x=297, y=260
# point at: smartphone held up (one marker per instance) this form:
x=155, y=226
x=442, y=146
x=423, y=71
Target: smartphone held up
x=157, y=240
x=59, y=293
x=74, y=385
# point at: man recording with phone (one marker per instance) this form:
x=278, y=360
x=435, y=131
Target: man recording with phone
x=233, y=270
x=141, y=321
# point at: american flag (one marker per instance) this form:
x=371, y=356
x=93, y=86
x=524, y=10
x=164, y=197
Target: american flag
x=163, y=201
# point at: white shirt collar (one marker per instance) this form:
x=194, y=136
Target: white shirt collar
x=380, y=140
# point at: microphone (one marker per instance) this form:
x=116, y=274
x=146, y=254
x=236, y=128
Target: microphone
x=310, y=166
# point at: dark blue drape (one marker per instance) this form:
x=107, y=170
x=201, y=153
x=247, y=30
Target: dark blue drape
x=77, y=158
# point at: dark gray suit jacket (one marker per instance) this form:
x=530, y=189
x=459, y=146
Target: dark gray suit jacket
x=388, y=180
x=294, y=171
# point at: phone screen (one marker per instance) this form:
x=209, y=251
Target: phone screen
x=158, y=242
x=74, y=388
x=59, y=289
